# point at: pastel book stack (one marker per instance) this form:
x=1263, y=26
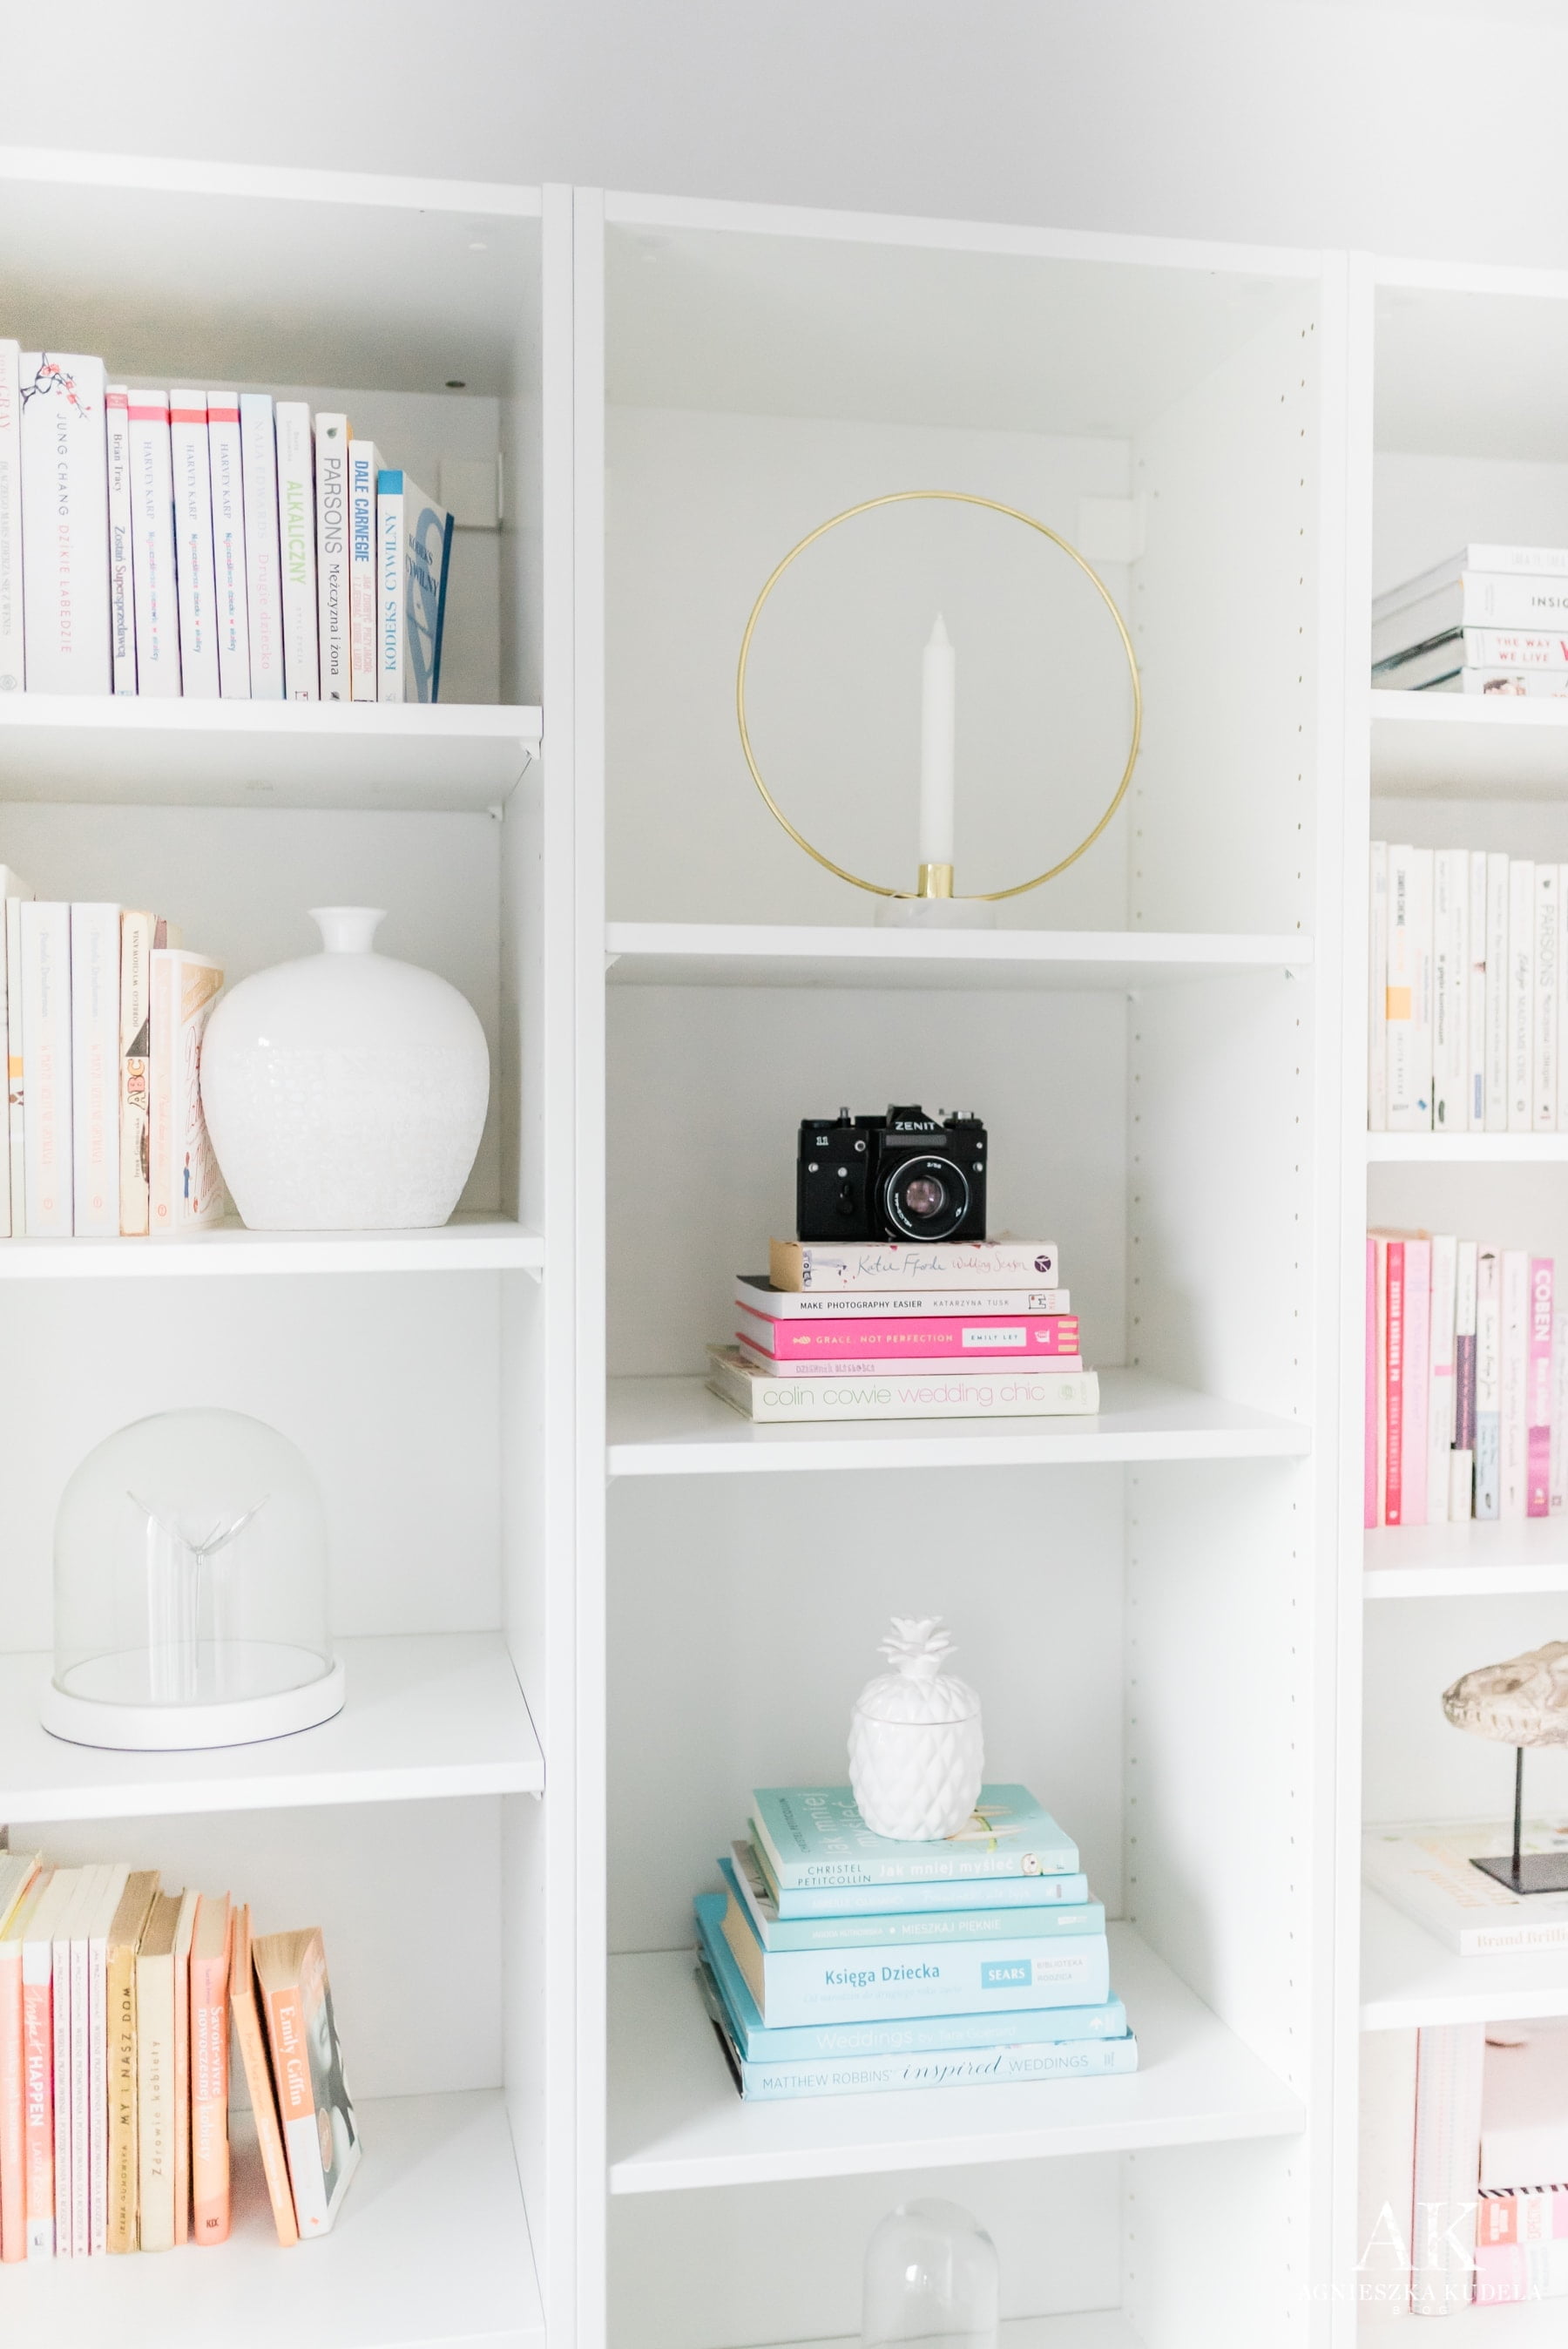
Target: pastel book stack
x=104, y=1013
x=1467, y=1382
x=839, y=1962
x=1487, y=619
x=203, y=544
x=116, y=2001
x=887, y=1331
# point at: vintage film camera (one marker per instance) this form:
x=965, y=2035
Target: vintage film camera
x=904, y=1176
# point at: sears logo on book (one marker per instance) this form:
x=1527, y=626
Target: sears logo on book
x=1006, y=1973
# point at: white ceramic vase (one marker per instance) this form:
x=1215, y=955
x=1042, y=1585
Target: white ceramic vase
x=917, y=1750
x=345, y=1092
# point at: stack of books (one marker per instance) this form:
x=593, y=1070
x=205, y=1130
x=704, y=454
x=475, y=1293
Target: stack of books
x=1467, y=1014
x=1490, y=619
x=1467, y=1382
x=867, y=1330
x=115, y=2004
x=208, y=544
x=839, y=1962
x=103, y=1011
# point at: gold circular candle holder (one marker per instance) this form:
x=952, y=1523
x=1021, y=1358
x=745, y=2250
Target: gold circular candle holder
x=936, y=880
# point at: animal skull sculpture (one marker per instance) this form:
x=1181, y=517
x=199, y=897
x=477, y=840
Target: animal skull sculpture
x=1522, y=1702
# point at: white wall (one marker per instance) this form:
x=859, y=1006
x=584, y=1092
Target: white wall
x=1418, y=126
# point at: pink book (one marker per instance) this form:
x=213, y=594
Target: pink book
x=916, y=1336
x=1539, y=1390
x=1418, y=1374
x=1394, y=1386
x=1380, y=1260
x=1369, y=1512
x=1508, y=2273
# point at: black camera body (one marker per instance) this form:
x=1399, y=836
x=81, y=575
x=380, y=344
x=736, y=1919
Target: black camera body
x=904, y=1176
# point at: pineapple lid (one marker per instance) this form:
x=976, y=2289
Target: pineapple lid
x=917, y=1691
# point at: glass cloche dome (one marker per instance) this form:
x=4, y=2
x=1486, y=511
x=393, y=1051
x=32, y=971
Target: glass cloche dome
x=190, y=1588
x=931, y=2277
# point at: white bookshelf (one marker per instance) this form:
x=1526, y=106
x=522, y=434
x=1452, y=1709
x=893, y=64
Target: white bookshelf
x=733, y=954
x=1452, y=745
x=468, y=1243
x=1467, y=1561
x=676, y=2123
x=1410, y=1979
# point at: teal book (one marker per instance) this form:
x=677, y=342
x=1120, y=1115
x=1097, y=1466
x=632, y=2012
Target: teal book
x=771, y=2081
x=813, y=1836
x=1044, y=1921
x=796, y=1986
x=922, y=1900
x=913, y=2035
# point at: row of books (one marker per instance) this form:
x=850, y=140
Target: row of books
x=1467, y=1382
x=1487, y=619
x=103, y=1011
x=207, y=544
x=1464, y=2167
x=839, y=1962
x=1467, y=998
x=944, y=1329
x=115, y=2004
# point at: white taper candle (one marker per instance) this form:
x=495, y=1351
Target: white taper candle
x=939, y=670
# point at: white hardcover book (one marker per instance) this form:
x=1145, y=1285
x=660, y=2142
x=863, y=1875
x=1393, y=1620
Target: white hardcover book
x=13, y=666
x=152, y=547
x=1561, y=1013
x=1513, y=1428
x=1521, y=994
x=1476, y=998
x=65, y=566
x=1487, y=1381
x=1497, y=988
x=332, y=443
x=364, y=470
x=6, y=1228
x=965, y=1392
x=83, y=1917
x=46, y=1052
x=1450, y=977
x=226, y=468
x=1377, y=991
x=1410, y=990
x=60, y=2018
x=391, y=612
x=296, y=537
x=193, y=544
x=137, y=935
x=184, y=1188
x=1441, y=1375
x=95, y=1069
x=1559, y=1486
x=122, y=592
x=108, y=1899
x=16, y=1064
x=1548, y=992
x=264, y=581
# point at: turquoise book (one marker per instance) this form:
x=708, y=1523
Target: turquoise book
x=795, y=1986
x=769, y=2082
x=1042, y=1922
x=813, y=1836
x=912, y=2035
x=922, y=1900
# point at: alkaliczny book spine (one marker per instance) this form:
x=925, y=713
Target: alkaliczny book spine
x=121, y=590
x=263, y=583
x=95, y=1069
x=65, y=568
x=193, y=544
x=47, y=1052
x=364, y=469
x=332, y=574
x=12, y=661
x=296, y=535
x=152, y=547
x=1489, y=1383
x=230, y=562
x=1538, y=1439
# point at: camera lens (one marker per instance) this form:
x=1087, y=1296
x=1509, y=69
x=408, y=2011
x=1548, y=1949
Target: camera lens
x=926, y=1198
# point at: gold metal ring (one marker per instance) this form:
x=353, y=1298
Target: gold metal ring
x=993, y=505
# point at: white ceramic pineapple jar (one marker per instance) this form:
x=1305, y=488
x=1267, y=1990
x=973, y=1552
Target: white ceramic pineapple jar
x=916, y=1751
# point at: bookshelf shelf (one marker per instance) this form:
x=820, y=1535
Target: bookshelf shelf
x=468, y=1243
x=1466, y=1561
x=1409, y=1979
x=263, y=754
x=675, y=2120
x=1454, y=746
x=1096, y=2328
x=674, y=1427
x=1467, y=1149
x=437, y=2169
x=719, y=954
x=427, y=1716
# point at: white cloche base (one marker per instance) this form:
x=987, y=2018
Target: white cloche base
x=934, y=914
x=174, y=1728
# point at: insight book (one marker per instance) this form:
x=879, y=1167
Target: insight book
x=812, y=1836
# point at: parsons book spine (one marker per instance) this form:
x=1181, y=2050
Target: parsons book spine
x=296, y=537
x=332, y=559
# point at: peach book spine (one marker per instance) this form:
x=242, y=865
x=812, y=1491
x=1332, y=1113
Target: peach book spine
x=209, y=2076
x=254, y=2056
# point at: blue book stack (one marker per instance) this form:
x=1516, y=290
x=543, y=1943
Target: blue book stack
x=836, y=1962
